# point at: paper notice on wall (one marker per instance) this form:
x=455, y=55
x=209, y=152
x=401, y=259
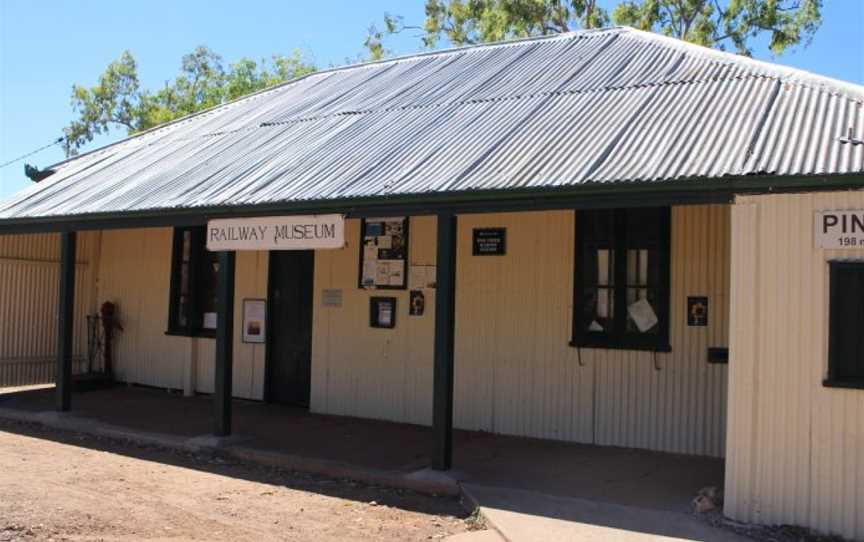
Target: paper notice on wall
x=382, y=273
x=431, y=276
x=643, y=315
x=397, y=273
x=210, y=320
x=417, y=277
x=370, y=252
x=370, y=273
x=385, y=241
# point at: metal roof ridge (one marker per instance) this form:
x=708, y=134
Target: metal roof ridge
x=783, y=72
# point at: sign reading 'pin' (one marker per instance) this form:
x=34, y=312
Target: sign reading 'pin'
x=277, y=233
x=839, y=229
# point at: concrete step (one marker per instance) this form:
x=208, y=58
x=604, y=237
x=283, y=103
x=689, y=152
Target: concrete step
x=527, y=516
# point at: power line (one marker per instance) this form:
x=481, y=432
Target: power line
x=31, y=153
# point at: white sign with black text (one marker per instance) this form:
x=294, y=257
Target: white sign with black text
x=839, y=229
x=277, y=233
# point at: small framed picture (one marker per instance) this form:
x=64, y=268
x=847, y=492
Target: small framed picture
x=382, y=312
x=254, y=321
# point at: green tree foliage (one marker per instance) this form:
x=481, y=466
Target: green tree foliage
x=713, y=23
x=119, y=100
x=735, y=22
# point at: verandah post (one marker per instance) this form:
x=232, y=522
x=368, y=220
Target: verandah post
x=445, y=321
x=224, y=343
x=65, y=321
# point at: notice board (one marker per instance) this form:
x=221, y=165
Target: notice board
x=384, y=253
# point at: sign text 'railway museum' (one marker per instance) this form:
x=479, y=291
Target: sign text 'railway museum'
x=277, y=233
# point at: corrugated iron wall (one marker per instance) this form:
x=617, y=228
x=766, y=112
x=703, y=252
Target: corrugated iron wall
x=515, y=371
x=136, y=274
x=517, y=374
x=29, y=284
x=362, y=371
x=796, y=449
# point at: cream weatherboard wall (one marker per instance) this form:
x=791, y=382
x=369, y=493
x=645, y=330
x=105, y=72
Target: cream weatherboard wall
x=795, y=451
x=29, y=288
x=370, y=372
x=515, y=371
x=135, y=273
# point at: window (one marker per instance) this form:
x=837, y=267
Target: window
x=845, y=322
x=621, y=279
x=193, y=285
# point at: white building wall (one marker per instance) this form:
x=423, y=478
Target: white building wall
x=795, y=451
x=517, y=374
x=515, y=371
x=135, y=273
x=370, y=372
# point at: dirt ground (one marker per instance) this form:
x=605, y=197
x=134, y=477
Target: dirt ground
x=65, y=486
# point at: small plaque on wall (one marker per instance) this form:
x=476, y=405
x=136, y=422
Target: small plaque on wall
x=697, y=311
x=331, y=297
x=490, y=241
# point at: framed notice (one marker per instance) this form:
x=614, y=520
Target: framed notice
x=384, y=253
x=382, y=312
x=490, y=242
x=254, y=321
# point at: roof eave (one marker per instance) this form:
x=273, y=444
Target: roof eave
x=592, y=195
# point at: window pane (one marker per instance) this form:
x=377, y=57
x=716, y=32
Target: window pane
x=599, y=310
x=598, y=297
x=622, y=263
x=846, y=321
x=208, y=279
x=183, y=300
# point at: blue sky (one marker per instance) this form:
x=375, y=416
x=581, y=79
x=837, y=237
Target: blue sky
x=46, y=47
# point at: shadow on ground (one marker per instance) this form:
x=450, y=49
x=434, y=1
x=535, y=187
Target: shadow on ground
x=568, y=480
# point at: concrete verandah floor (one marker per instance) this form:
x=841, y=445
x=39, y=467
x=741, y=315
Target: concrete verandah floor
x=615, y=475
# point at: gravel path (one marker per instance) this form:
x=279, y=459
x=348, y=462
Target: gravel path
x=65, y=486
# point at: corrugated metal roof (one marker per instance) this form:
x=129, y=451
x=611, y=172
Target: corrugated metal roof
x=603, y=106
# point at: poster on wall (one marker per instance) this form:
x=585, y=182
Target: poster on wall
x=254, y=321
x=384, y=253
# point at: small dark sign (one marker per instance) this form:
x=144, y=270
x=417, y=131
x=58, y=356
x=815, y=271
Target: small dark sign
x=418, y=303
x=490, y=241
x=382, y=312
x=697, y=311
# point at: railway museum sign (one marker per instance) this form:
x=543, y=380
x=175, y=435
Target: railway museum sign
x=839, y=229
x=304, y=232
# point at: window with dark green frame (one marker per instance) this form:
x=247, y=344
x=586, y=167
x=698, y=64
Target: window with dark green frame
x=845, y=322
x=621, y=279
x=194, y=270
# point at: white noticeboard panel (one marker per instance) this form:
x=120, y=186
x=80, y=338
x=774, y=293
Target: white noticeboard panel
x=277, y=233
x=839, y=229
